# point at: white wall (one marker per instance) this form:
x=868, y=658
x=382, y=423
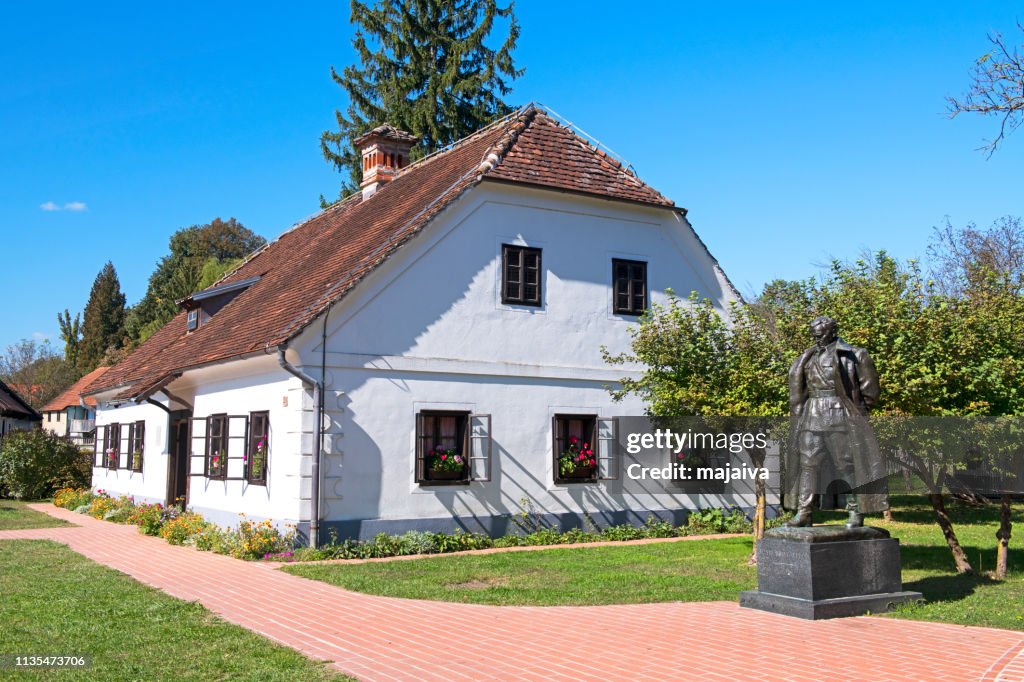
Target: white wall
x=150, y=484
x=428, y=330
x=236, y=389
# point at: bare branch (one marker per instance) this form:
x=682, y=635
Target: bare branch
x=997, y=89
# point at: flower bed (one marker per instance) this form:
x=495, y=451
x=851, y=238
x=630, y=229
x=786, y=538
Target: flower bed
x=250, y=540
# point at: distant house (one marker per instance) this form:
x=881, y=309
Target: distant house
x=458, y=305
x=15, y=413
x=73, y=414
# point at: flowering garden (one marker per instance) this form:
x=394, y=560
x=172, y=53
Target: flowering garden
x=249, y=540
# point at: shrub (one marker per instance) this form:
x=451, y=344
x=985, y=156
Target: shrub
x=184, y=527
x=717, y=521
x=101, y=504
x=213, y=538
x=148, y=517
x=34, y=464
x=258, y=538
x=72, y=498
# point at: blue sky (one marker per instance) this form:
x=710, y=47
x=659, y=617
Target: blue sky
x=793, y=132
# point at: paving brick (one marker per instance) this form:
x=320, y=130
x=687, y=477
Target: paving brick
x=382, y=638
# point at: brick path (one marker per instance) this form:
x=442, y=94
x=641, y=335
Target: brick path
x=379, y=638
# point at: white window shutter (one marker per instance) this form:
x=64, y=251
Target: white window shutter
x=607, y=448
x=480, y=447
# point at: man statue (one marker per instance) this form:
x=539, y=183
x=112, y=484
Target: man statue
x=832, y=386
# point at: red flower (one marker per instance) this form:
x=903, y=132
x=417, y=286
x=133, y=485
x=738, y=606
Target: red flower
x=444, y=457
x=573, y=440
x=588, y=452
x=592, y=462
x=586, y=445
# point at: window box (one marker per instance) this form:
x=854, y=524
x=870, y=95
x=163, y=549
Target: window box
x=452, y=448
x=575, y=448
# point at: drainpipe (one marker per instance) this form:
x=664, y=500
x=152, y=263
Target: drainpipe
x=318, y=402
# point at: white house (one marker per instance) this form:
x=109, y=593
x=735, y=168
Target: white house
x=456, y=304
x=71, y=414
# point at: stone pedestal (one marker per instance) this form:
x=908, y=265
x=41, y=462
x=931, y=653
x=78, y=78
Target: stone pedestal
x=827, y=572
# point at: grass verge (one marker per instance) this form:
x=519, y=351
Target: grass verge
x=703, y=570
x=54, y=601
x=15, y=514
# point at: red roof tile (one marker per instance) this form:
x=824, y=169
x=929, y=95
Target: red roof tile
x=316, y=263
x=70, y=397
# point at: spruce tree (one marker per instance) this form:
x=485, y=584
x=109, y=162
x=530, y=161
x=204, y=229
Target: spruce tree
x=424, y=67
x=103, y=327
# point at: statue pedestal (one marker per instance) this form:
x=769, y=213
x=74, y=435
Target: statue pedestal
x=827, y=572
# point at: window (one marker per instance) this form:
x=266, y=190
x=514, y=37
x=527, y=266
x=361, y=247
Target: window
x=137, y=444
x=629, y=286
x=441, y=448
x=575, y=448
x=112, y=445
x=193, y=319
x=217, y=446
x=258, y=450
x=520, y=278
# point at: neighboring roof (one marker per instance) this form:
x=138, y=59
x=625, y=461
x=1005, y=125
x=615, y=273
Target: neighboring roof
x=316, y=263
x=71, y=396
x=12, y=405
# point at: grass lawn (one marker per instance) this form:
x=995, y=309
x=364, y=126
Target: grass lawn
x=15, y=514
x=54, y=601
x=702, y=570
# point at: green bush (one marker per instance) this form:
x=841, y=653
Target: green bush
x=35, y=464
x=182, y=528
x=148, y=517
x=73, y=498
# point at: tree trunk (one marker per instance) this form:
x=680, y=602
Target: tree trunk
x=963, y=566
x=1003, y=535
x=757, y=458
x=887, y=515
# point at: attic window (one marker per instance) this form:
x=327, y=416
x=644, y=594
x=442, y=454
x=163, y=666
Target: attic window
x=193, y=319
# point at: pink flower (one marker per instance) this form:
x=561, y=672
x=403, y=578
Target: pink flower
x=592, y=462
x=573, y=440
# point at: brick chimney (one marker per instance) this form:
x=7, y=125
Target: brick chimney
x=385, y=151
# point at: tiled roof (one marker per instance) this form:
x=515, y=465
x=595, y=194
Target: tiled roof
x=316, y=263
x=12, y=405
x=70, y=397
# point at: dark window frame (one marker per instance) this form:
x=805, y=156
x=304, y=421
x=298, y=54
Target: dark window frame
x=626, y=299
x=515, y=272
x=136, y=443
x=112, y=440
x=256, y=420
x=216, y=422
x=559, y=442
x=422, y=447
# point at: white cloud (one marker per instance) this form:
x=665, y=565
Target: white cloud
x=76, y=206
x=40, y=336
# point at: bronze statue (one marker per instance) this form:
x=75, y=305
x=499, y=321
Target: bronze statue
x=832, y=387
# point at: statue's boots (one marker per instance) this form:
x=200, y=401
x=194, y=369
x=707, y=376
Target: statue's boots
x=855, y=518
x=805, y=510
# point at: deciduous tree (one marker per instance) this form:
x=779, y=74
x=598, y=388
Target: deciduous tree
x=997, y=88
x=199, y=256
